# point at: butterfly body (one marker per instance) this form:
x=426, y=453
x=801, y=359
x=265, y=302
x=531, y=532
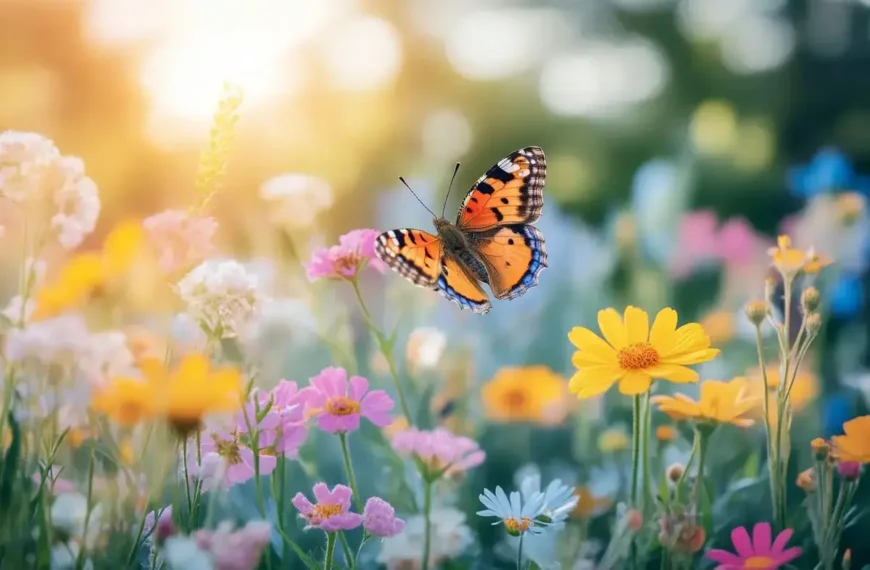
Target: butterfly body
x=491, y=242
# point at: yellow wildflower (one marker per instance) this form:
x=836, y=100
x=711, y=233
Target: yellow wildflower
x=787, y=259
x=613, y=439
x=803, y=391
x=633, y=353
x=855, y=444
x=128, y=401
x=718, y=403
x=526, y=394
x=816, y=262
x=719, y=325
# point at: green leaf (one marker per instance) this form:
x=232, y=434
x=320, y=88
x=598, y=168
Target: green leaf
x=752, y=465
x=706, y=510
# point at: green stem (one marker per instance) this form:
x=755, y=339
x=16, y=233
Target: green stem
x=678, y=489
x=702, y=456
x=427, y=524
x=330, y=551
x=348, y=466
x=80, y=561
x=772, y=454
x=635, y=452
x=385, y=348
x=520, y=554
x=645, y=438
x=348, y=553
x=282, y=477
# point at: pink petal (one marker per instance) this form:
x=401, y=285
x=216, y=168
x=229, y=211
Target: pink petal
x=267, y=464
x=781, y=540
x=761, y=539
x=723, y=557
x=302, y=503
x=376, y=407
x=312, y=397
x=358, y=387
x=788, y=555
x=742, y=542
x=321, y=493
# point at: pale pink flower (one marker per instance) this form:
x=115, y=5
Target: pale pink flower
x=738, y=243
x=288, y=404
x=54, y=483
x=227, y=457
x=339, y=404
x=440, y=449
x=234, y=550
x=354, y=251
x=332, y=511
x=696, y=242
x=181, y=238
x=379, y=518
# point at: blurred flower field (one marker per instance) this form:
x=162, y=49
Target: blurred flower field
x=654, y=403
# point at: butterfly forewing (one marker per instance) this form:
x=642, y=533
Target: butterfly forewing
x=413, y=254
x=511, y=192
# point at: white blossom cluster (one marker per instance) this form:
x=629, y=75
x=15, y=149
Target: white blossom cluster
x=221, y=296
x=32, y=170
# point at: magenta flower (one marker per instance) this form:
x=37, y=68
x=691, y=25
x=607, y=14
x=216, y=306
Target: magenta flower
x=756, y=552
x=338, y=405
x=379, y=518
x=440, y=449
x=234, y=550
x=354, y=251
x=332, y=511
x=849, y=470
x=182, y=239
x=165, y=527
x=696, y=242
x=289, y=405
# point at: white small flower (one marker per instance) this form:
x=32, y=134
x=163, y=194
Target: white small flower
x=450, y=536
x=78, y=204
x=25, y=161
x=182, y=553
x=425, y=347
x=220, y=295
x=64, y=556
x=69, y=512
x=296, y=199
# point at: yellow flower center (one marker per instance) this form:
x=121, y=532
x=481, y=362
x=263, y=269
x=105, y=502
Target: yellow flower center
x=342, y=406
x=326, y=511
x=759, y=562
x=229, y=450
x=638, y=356
x=515, y=400
x=516, y=527
x=346, y=263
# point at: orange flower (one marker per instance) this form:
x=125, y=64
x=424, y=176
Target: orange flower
x=526, y=394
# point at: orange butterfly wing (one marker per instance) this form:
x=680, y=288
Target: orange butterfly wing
x=458, y=285
x=414, y=254
x=514, y=257
x=511, y=192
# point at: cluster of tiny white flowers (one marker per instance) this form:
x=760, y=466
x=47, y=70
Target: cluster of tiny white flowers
x=33, y=169
x=18, y=311
x=222, y=296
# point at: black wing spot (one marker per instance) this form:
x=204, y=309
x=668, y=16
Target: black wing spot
x=510, y=241
x=500, y=174
x=504, y=200
x=411, y=238
x=498, y=215
x=507, y=263
x=484, y=188
x=468, y=208
x=473, y=199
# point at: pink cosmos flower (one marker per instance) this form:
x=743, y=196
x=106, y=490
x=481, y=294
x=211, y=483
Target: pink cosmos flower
x=696, y=241
x=234, y=550
x=338, y=405
x=440, y=449
x=226, y=456
x=332, y=511
x=379, y=518
x=291, y=431
x=756, y=552
x=738, y=242
x=181, y=238
x=849, y=470
x=354, y=251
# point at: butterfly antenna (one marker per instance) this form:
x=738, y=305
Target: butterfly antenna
x=417, y=197
x=444, y=207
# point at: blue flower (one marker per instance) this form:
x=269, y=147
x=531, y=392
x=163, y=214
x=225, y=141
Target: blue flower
x=847, y=295
x=656, y=191
x=518, y=518
x=838, y=410
x=559, y=499
x=829, y=170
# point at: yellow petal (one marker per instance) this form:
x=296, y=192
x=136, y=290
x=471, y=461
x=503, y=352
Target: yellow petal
x=593, y=380
x=193, y=366
x=696, y=357
x=673, y=373
x=636, y=325
x=635, y=382
x=859, y=426
x=584, y=358
x=662, y=335
x=591, y=344
x=612, y=328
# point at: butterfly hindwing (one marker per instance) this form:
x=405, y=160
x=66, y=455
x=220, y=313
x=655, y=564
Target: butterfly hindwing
x=413, y=254
x=514, y=257
x=511, y=192
x=457, y=284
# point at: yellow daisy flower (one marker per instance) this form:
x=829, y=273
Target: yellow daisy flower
x=855, y=445
x=128, y=401
x=788, y=260
x=719, y=325
x=526, y=394
x=633, y=353
x=718, y=403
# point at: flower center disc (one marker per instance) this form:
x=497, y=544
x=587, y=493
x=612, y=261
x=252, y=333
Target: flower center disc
x=342, y=407
x=515, y=400
x=516, y=527
x=759, y=562
x=326, y=511
x=637, y=356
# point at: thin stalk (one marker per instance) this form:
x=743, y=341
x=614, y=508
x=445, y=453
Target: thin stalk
x=647, y=476
x=635, y=468
x=385, y=348
x=348, y=466
x=80, y=561
x=702, y=456
x=772, y=454
x=678, y=489
x=330, y=551
x=427, y=526
x=520, y=554
x=348, y=553
x=282, y=478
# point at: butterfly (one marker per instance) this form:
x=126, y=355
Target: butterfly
x=492, y=241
